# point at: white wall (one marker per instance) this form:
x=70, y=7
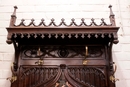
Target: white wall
x=68, y=9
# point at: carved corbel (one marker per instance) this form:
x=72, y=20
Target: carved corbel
x=16, y=46
x=115, y=41
x=9, y=40
x=111, y=63
x=110, y=55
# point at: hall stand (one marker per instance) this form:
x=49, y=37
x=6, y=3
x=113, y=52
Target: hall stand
x=64, y=54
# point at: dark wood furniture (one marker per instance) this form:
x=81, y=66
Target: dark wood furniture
x=53, y=55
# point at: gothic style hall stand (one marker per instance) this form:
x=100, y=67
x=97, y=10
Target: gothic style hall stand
x=63, y=55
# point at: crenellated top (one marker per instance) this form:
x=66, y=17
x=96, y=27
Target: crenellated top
x=62, y=29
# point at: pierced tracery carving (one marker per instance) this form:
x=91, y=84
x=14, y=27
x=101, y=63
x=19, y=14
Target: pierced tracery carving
x=62, y=23
x=62, y=52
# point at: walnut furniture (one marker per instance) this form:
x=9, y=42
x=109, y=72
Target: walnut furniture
x=62, y=55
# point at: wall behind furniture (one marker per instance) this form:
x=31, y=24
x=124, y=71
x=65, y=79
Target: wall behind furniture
x=68, y=9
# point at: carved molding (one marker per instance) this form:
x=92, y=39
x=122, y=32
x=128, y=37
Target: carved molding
x=96, y=33
x=64, y=35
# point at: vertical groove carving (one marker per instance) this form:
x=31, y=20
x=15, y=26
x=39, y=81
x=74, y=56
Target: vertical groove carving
x=76, y=76
x=87, y=76
x=33, y=77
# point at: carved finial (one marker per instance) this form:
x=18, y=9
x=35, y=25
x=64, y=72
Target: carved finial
x=93, y=23
x=102, y=19
x=42, y=19
x=92, y=19
x=62, y=19
x=32, y=20
x=111, y=12
x=52, y=19
x=112, y=16
x=14, y=13
x=72, y=19
x=82, y=19
x=22, y=20
x=13, y=17
x=103, y=22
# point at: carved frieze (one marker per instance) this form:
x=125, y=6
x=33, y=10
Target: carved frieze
x=31, y=52
x=62, y=35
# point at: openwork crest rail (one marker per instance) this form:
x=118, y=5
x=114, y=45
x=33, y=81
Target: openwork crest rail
x=63, y=23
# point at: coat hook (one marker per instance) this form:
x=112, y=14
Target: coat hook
x=112, y=77
x=14, y=77
x=85, y=61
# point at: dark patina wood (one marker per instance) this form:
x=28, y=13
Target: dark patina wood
x=53, y=55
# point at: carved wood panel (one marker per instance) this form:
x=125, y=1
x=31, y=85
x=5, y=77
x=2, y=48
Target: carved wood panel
x=51, y=55
x=31, y=52
x=50, y=76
